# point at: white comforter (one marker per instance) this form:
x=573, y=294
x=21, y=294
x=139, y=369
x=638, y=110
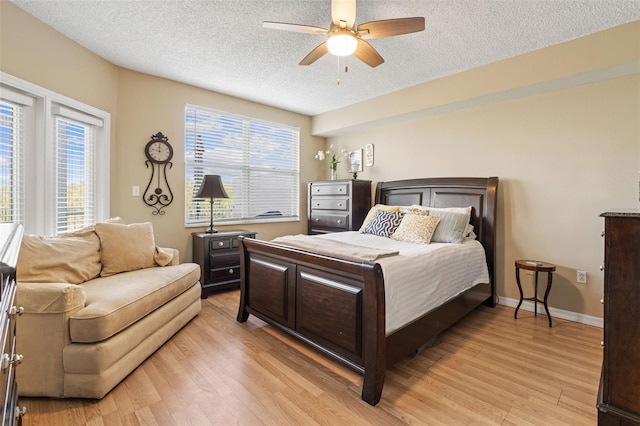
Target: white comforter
x=422, y=276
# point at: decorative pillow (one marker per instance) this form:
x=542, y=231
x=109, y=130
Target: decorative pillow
x=452, y=226
x=416, y=209
x=125, y=247
x=384, y=223
x=416, y=228
x=373, y=211
x=469, y=234
x=66, y=259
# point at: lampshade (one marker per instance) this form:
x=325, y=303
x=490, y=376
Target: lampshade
x=211, y=188
x=342, y=42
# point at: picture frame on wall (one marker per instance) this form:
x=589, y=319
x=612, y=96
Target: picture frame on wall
x=368, y=149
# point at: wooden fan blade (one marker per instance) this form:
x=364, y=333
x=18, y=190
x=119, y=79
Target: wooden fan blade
x=367, y=54
x=308, y=29
x=390, y=27
x=343, y=10
x=315, y=54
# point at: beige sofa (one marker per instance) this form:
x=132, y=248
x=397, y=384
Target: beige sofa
x=96, y=304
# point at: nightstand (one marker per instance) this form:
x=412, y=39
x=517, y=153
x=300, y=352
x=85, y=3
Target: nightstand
x=219, y=259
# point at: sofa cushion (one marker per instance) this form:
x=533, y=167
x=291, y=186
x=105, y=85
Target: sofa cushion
x=125, y=247
x=114, y=302
x=71, y=259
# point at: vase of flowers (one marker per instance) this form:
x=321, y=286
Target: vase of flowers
x=334, y=160
x=333, y=168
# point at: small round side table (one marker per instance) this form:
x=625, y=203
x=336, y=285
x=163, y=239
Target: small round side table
x=535, y=266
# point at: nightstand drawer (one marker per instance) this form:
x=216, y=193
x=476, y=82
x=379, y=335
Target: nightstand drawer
x=225, y=274
x=223, y=260
x=330, y=189
x=340, y=221
x=333, y=203
x=220, y=244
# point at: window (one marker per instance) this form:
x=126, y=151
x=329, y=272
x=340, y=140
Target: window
x=257, y=161
x=52, y=181
x=11, y=162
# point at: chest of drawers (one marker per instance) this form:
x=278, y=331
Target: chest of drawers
x=619, y=397
x=337, y=205
x=219, y=259
x=10, y=238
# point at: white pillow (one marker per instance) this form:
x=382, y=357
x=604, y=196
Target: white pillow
x=453, y=223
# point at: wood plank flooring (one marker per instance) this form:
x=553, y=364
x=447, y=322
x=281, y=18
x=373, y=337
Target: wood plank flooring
x=489, y=369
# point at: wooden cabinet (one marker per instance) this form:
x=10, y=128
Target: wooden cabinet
x=619, y=396
x=10, y=238
x=219, y=259
x=337, y=205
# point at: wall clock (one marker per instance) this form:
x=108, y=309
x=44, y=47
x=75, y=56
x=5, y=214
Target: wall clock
x=159, y=153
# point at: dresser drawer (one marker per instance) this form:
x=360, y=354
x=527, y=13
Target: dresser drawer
x=338, y=188
x=333, y=203
x=339, y=221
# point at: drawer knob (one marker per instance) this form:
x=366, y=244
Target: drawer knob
x=220, y=243
x=602, y=234
x=339, y=221
x=602, y=343
x=602, y=267
x=339, y=189
x=13, y=311
x=317, y=219
x=231, y=271
x=339, y=204
x=602, y=301
x=6, y=360
x=317, y=204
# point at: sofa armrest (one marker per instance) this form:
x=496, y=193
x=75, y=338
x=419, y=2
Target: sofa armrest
x=175, y=260
x=42, y=333
x=167, y=256
x=50, y=298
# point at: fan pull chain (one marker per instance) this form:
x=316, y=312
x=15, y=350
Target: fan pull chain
x=346, y=69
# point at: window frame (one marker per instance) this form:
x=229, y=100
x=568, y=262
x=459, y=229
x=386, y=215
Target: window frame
x=247, y=168
x=40, y=155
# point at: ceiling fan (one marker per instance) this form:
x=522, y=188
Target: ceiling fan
x=345, y=38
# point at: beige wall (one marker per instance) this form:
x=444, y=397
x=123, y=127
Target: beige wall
x=147, y=105
x=563, y=155
x=140, y=105
x=565, y=148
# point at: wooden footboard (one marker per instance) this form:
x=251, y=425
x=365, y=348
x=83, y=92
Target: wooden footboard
x=338, y=306
x=334, y=305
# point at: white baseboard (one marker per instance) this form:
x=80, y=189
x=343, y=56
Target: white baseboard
x=555, y=313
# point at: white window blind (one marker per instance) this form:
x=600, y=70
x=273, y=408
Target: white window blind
x=75, y=182
x=11, y=162
x=257, y=160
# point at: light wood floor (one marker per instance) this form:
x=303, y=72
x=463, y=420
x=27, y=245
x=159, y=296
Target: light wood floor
x=489, y=369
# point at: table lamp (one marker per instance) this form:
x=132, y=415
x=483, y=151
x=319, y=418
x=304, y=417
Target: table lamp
x=211, y=188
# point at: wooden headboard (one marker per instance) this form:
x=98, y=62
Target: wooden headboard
x=479, y=193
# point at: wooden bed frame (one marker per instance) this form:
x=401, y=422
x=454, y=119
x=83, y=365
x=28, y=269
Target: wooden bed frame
x=338, y=306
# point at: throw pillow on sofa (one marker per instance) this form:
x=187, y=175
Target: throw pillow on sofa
x=72, y=260
x=126, y=247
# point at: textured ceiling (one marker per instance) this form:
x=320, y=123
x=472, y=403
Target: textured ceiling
x=221, y=45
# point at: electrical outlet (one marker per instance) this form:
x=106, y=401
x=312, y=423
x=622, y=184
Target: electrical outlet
x=581, y=277
x=135, y=191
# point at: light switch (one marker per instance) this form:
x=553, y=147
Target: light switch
x=135, y=191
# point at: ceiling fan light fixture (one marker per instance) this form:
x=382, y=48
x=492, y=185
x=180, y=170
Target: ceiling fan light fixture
x=342, y=42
